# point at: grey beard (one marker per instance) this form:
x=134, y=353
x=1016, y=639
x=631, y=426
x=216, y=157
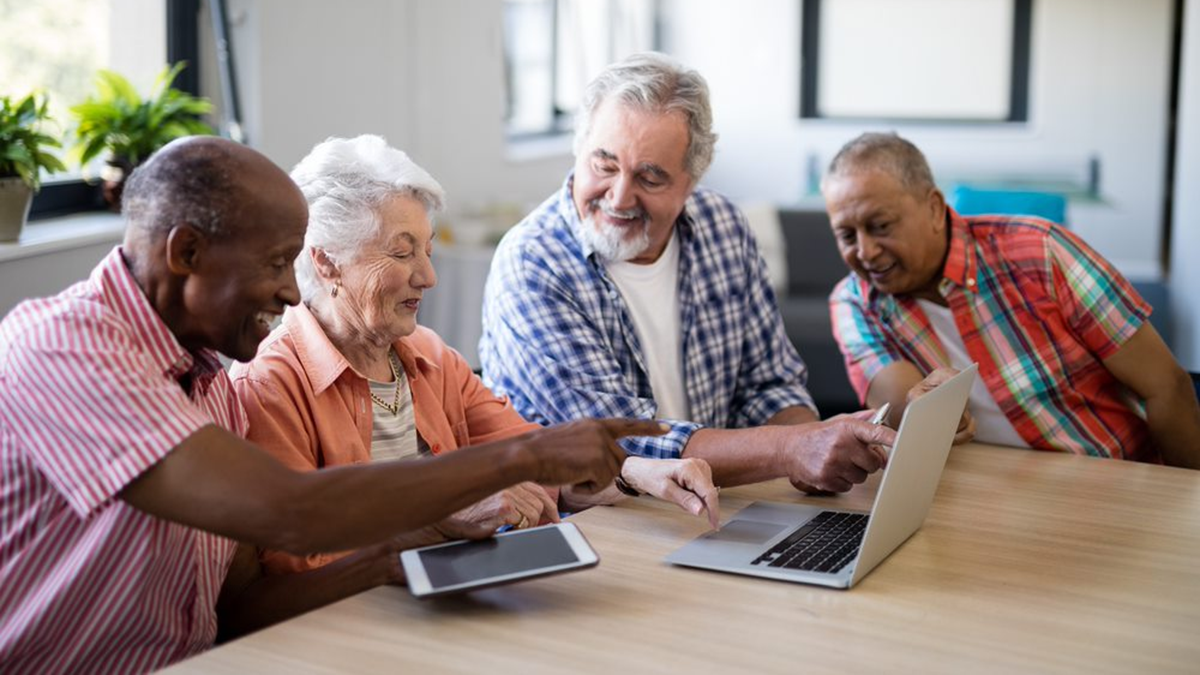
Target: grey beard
x=612, y=243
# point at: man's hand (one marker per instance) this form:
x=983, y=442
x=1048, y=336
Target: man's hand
x=448, y=529
x=522, y=505
x=584, y=453
x=966, y=425
x=686, y=482
x=834, y=455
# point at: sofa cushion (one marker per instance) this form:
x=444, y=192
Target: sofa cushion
x=814, y=266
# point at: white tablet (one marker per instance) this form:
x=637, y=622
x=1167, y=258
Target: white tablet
x=510, y=556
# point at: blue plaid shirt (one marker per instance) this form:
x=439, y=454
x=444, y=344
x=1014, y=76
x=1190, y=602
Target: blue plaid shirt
x=560, y=342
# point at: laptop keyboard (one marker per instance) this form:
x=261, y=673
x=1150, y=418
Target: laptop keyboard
x=827, y=543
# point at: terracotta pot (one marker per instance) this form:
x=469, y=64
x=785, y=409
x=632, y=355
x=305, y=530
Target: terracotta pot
x=15, y=198
x=114, y=175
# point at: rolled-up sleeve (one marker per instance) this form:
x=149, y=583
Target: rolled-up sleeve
x=774, y=376
x=860, y=336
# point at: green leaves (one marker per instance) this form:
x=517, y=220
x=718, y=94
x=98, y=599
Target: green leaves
x=22, y=142
x=117, y=119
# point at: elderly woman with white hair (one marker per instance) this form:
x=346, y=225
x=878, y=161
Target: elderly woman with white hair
x=349, y=377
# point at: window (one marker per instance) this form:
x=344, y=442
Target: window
x=934, y=60
x=56, y=46
x=552, y=48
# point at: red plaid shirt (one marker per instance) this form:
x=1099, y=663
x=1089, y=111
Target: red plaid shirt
x=1039, y=311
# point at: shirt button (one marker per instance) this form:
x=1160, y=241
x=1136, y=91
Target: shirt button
x=970, y=282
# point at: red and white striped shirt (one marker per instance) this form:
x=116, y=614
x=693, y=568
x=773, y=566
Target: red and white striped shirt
x=90, y=398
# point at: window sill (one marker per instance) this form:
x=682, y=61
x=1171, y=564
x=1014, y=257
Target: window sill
x=62, y=234
x=533, y=148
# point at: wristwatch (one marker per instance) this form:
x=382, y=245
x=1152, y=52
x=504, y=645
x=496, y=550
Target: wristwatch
x=626, y=488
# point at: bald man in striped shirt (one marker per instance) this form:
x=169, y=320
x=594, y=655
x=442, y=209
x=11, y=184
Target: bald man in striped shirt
x=124, y=479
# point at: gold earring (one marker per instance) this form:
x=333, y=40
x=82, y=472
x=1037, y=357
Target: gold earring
x=336, y=286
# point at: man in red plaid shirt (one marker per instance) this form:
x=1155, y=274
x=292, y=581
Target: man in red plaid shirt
x=1067, y=360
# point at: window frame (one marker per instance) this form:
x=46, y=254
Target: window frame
x=810, y=49
x=562, y=122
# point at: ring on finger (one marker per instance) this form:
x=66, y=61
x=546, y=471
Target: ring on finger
x=523, y=522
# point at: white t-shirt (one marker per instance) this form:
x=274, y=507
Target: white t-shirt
x=651, y=293
x=991, y=424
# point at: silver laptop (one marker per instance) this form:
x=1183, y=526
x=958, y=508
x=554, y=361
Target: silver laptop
x=836, y=547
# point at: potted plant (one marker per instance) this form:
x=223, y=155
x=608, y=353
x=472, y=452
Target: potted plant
x=130, y=128
x=22, y=158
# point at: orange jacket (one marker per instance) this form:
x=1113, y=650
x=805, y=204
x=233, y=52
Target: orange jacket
x=308, y=408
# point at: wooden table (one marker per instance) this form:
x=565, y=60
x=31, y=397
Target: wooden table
x=1028, y=562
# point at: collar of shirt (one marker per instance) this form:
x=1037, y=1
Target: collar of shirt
x=322, y=361
x=196, y=372
x=123, y=294
x=962, y=267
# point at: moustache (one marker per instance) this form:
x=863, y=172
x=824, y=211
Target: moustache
x=604, y=207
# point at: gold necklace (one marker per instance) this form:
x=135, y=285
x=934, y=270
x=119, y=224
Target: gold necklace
x=394, y=407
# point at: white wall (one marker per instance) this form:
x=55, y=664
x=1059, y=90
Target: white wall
x=1099, y=79
x=46, y=274
x=1185, y=232
x=426, y=74
x=142, y=58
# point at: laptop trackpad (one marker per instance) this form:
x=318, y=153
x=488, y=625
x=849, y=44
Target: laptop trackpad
x=746, y=532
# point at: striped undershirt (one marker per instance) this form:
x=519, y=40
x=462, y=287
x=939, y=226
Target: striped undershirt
x=394, y=434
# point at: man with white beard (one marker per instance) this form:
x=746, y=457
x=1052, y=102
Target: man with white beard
x=632, y=292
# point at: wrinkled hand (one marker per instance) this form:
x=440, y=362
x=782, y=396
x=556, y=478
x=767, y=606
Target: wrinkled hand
x=686, y=482
x=584, y=453
x=810, y=490
x=834, y=455
x=966, y=425
x=522, y=505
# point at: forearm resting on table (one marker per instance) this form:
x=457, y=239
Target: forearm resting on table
x=1145, y=365
x=1174, y=421
x=796, y=414
x=739, y=456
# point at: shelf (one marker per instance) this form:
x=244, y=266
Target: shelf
x=65, y=233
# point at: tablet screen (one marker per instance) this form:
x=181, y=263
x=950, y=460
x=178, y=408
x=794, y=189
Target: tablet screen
x=499, y=556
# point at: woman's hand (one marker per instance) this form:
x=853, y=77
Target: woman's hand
x=686, y=482
x=522, y=505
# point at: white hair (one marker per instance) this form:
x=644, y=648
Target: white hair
x=655, y=82
x=346, y=181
